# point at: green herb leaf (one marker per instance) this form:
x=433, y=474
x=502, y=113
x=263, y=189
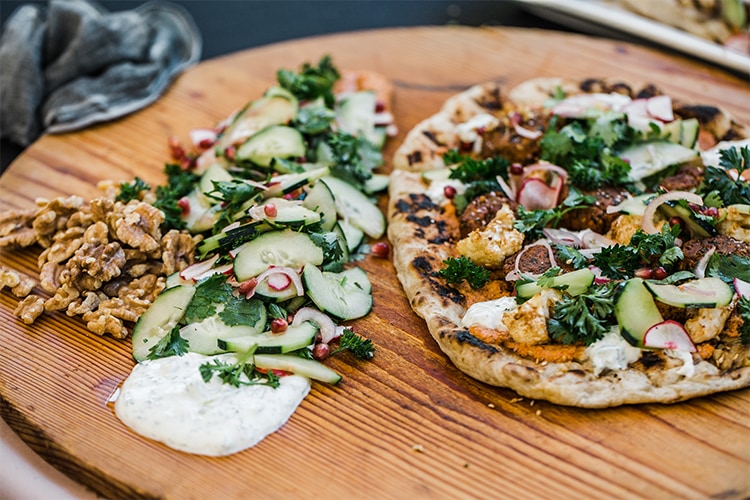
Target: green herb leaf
x=361, y=347
x=461, y=269
x=584, y=318
x=179, y=184
x=209, y=293
x=354, y=158
x=728, y=267
x=743, y=307
x=238, y=374
x=311, y=82
x=132, y=191
x=172, y=344
x=240, y=311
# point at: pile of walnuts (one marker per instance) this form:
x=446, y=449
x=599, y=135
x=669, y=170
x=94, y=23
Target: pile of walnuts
x=105, y=260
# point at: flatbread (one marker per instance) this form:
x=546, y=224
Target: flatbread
x=424, y=233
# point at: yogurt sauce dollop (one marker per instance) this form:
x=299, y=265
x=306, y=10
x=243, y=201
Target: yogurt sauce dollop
x=167, y=400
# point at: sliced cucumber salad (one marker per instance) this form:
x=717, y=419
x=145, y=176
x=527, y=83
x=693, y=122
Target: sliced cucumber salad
x=283, y=200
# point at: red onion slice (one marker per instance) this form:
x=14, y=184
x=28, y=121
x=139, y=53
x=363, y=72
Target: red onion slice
x=326, y=326
x=593, y=240
x=517, y=274
x=562, y=237
x=203, y=138
x=199, y=268
x=700, y=267
x=535, y=194
x=648, y=225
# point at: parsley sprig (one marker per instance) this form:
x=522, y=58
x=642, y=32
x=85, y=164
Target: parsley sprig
x=361, y=347
x=311, y=82
x=132, y=190
x=179, y=184
x=242, y=372
x=621, y=261
x=584, y=318
x=532, y=222
x=717, y=183
x=172, y=344
x=460, y=269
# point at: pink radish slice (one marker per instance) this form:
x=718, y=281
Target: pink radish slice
x=535, y=194
x=742, y=288
x=660, y=107
x=668, y=334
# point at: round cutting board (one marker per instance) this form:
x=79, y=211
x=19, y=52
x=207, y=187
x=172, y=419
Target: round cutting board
x=407, y=424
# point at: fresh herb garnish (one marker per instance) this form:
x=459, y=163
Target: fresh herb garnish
x=584, y=318
x=331, y=246
x=621, y=261
x=171, y=344
x=532, y=222
x=313, y=120
x=232, y=195
x=459, y=269
x=743, y=307
x=718, y=184
x=240, y=311
x=468, y=169
x=311, y=81
x=209, y=293
x=240, y=373
x=179, y=184
x=361, y=347
x=727, y=267
x=132, y=190
x=570, y=256
x=354, y=158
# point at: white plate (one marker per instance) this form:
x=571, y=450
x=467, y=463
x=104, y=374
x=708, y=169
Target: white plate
x=579, y=14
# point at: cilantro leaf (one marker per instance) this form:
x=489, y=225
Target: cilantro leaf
x=461, y=269
x=743, y=307
x=179, y=184
x=584, y=318
x=354, y=158
x=240, y=311
x=209, y=293
x=728, y=267
x=132, y=190
x=172, y=344
x=311, y=82
x=313, y=120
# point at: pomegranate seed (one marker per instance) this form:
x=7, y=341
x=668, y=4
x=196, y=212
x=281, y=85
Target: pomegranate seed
x=481, y=130
x=379, y=106
x=279, y=325
x=466, y=146
x=176, y=150
x=644, y=273
x=711, y=212
x=230, y=152
x=516, y=169
x=248, y=286
x=270, y=210
x=184, y=204
x=381, y=249
x=675, y=221
x=321, y=351
x=694, y=207
x=660, y=273
x=205, y=143
x=449, y=192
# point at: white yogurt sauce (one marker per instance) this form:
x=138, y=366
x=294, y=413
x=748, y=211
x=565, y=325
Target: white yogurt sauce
x=489, y=314
x=612, y=352
x=168, y=401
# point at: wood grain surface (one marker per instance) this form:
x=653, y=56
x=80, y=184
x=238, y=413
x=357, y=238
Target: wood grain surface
x=407, y=424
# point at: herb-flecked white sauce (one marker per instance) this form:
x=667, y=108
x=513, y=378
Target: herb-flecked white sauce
x=168, y=401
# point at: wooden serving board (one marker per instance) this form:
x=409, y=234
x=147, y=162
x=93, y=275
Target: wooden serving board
x=407, y=424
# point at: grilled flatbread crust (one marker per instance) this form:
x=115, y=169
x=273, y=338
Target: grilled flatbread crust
x=423, y=234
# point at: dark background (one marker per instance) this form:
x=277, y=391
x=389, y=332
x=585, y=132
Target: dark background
x=232, y=25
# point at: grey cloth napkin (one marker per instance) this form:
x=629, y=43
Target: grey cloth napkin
x=73, y=64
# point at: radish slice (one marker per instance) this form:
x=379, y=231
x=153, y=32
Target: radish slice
x=325, y=324
x=225, y=269
x=279, y=278
x=660, y=107
x=535, y=194
x=742, y=288
x=648, y=225
x=199, y=268
x=668, y=334
x=203, y=137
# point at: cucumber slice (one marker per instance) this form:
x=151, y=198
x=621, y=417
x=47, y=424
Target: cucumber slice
x=696, y=226
x=273, y=109
x=652, y=157
x=203, y=336
x=276, y=141
x=159, y=319
x=376, y=183
x=276, y=248
x=436, y=174
x=294, y=338
x=214, y=173
x=575, y=283
x=356, y=207
x=175, y=279
x=201, y=215
x=290, y=215
x=345, y=295
x=355, y=115
x=354, y=235
x=300, y=366
x=320, y=198
x=701, y=292
x=635, y=311
x=286, y=183
x=635, y=205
